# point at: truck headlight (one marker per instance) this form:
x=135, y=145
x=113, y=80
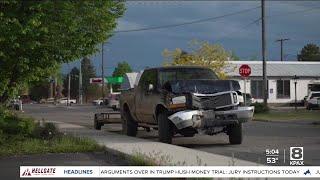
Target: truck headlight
x=235, y=98
x=178, y=102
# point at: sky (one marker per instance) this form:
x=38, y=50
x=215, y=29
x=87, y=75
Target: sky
x=241, y=33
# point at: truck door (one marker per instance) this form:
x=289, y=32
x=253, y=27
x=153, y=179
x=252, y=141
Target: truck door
x=145, y=101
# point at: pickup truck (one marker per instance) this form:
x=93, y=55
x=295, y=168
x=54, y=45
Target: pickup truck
x=184, y=100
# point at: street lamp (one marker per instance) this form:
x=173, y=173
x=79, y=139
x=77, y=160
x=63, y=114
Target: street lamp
x=295, y=79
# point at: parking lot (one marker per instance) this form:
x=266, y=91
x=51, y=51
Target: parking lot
x=258, y=136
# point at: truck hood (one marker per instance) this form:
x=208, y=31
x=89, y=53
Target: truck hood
x=201, y=86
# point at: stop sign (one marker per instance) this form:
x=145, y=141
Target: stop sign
x=245, y=70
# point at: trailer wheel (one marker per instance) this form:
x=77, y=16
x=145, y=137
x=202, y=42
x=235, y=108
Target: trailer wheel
x=96, y=124
x=235, y=133
x=129, y=126
x=165, y=129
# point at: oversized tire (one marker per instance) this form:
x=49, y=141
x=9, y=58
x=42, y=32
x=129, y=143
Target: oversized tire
x=165, y=129
x=129, y=126
x=235, y=133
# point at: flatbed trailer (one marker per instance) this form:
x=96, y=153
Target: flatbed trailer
x=103, y=118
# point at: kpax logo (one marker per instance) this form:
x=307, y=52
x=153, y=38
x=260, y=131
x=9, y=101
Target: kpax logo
x=26, y=172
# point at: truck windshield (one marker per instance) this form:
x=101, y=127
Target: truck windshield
x=185, y=74
x=313, y=95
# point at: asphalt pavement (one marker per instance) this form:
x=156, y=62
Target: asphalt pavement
x=258, y=136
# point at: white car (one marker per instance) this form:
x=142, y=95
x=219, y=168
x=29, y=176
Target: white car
x=66, y=101
x=98, y=102
x=113, y=101
x=313, y=100
x=249, y=99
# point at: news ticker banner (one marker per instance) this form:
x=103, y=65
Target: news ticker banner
x=169, y=171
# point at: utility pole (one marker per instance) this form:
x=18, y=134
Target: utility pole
x=264, y=64
x=80, y=83
x=51, y=88
x=281, y=44
x=69, y=81
x=69, y=86
x=102, y=72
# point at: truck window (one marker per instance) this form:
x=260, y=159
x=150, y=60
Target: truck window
x=148, y=77
x=185, y=74
x=313, y=95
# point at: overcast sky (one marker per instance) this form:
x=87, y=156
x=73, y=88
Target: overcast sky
x=297, y=20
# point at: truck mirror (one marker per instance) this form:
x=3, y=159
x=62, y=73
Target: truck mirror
x=150, y=87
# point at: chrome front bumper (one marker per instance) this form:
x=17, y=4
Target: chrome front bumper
x=209, y=118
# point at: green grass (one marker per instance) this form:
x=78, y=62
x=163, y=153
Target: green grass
x=15, y=145
x=288, y=115
x=22, y=135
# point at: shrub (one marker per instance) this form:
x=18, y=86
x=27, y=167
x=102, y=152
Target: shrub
x=13, y=125
x=260, y=108
x=46, y=131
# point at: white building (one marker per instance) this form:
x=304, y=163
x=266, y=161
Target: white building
x=280, y=77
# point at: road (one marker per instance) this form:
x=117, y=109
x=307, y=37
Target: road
x=258, y=136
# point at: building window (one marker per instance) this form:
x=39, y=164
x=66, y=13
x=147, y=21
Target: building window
x=283, y=88
x=257, y=89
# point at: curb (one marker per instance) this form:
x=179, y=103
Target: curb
x=160, y=153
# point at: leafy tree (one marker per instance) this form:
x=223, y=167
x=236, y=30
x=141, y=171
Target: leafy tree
x=88, y=71
x=121, y=70
x=39, y=90
x=74, y=83
x=37, y=36
x=203, y=54
x=310, y=52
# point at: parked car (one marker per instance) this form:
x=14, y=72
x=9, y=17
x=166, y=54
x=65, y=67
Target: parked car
x=249, y=99
x=98, y=102
x=50, y=101
x=113, y=101
x=184, y=100
x=15, y=104
x=66, y=101
x=313, y=100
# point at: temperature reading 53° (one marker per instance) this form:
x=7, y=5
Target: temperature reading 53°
x=272, y=156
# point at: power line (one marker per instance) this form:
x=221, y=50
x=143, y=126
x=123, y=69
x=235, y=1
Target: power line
x=188, y=23
x=286, y=14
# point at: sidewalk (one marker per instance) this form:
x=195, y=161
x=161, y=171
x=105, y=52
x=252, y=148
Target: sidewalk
x=166, y=154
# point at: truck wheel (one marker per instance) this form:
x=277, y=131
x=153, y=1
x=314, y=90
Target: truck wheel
x=235, y=133
x=165, y=129
x=96, y=125
x=309, y=107
x=129, y=126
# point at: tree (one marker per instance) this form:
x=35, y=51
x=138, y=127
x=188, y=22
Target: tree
x=37, y=36
x=310, y=52
x=39, y=90
x=88, y=71
x=203, y=54
x=74, y=83
x=121, y=70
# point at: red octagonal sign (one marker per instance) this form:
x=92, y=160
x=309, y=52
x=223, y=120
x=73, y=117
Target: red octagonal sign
x=245, y=70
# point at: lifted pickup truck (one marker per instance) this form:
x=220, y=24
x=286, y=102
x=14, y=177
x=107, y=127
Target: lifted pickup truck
x=184, y=100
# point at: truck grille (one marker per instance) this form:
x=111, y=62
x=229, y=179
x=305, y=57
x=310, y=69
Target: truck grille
x=220, y=100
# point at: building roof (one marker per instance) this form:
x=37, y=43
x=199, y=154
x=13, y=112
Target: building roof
x=277, y=68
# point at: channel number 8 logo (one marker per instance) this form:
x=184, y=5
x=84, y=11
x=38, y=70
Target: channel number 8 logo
x=296, y=153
